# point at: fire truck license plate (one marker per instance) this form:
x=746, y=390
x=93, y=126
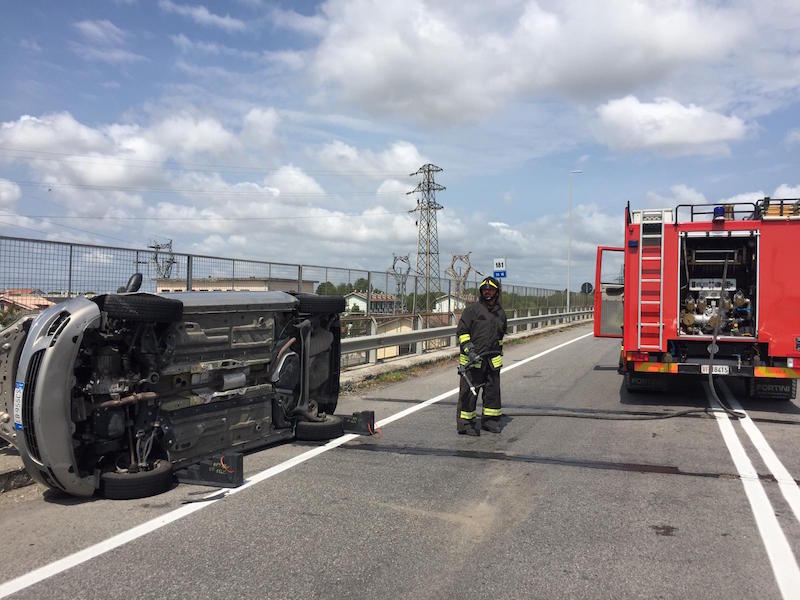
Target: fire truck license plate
x=715, y=369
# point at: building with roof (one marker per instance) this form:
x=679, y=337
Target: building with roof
x=381, y=304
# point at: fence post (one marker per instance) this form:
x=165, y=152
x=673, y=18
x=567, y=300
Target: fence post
x=369, y=291
x=189, y=272
x=418, y=325
x=514, y=328
x=529, y=326
x=451, y=320
x=372, y=355
x=69, y=274
x=299, y=278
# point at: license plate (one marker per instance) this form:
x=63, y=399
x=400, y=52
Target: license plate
x=715, y=369
x=18, y=389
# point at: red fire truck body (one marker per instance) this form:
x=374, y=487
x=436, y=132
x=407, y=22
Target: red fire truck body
x=696, y=273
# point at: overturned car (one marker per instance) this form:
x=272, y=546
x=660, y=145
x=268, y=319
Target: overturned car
x=113, y=393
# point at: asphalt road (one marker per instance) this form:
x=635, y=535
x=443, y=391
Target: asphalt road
x=552, y=507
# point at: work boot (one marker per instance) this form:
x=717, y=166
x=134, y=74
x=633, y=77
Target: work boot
x=492, y=425
x=469, y=429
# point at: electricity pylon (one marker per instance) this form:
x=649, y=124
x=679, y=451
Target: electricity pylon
x=427, y=232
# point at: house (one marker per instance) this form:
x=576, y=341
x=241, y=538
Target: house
x=449, y=303
x=382, y=304
x=235, y=284
x=23, y=299
x=398, y=325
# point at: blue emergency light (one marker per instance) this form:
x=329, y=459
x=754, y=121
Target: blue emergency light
x=719, y=213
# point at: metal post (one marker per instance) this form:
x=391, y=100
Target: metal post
x=414, y=298
x=451, y=320
x=420, y=346
x=69, y=274
x=299, y=278
x=369, y=291
x=372, y=355
x=189, y=272
x=449, y=296
x=233, y=275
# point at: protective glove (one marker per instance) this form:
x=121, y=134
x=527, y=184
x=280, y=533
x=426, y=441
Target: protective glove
x=472, y=355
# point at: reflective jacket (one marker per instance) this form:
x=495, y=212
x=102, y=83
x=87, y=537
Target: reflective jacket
x=485, y=328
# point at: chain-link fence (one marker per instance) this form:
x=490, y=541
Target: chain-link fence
x=37, y=273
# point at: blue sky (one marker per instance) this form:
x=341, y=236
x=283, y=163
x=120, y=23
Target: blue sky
x=286, y=131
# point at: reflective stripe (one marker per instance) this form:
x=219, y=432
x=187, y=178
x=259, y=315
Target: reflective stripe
x=487, y=282
x=500, y=342
x=464, y=337
x=497, y=362
x=492, y=412
x=463, y=359
x=467, y=416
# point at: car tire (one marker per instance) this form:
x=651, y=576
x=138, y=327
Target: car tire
x=314, y=431
x=142, y=308
x=127, y=486
x=311, y=303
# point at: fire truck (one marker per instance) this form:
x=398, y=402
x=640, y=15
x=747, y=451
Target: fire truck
x=701, y=289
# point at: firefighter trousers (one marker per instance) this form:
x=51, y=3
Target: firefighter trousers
x=466, y=409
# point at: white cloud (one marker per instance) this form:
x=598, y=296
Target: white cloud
x=447, y=62
x=293, y=182
x=786, y=191
x=666, y=127
x=202, y=16
x=289, y=19
x=102, y=33
x=679, y=194
x=793, y=137
x=258, y=129
x=9, y=193
x=186, y=136
x=399, y=159
x=103, y=42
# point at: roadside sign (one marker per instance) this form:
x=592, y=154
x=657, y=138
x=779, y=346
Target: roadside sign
x=499, y=268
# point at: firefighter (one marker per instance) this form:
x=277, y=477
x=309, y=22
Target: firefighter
x=480, y=335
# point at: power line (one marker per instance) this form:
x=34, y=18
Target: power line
x=217, y=193
x=170, y=165
x=208, y=218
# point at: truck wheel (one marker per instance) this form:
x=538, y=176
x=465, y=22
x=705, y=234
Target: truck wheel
x=142, y=308
x=768, y=388
x=314, y=431
x=311, y=303
x=127, y=486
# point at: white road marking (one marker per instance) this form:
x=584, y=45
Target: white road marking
x=786, y=482
x=54, y=568
x=779, y=552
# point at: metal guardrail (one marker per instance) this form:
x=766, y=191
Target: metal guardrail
x=369, y=343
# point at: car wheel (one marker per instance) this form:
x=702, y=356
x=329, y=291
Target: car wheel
x=312, y=431
x=311, y=303
x=142, y=308
x=127, y=486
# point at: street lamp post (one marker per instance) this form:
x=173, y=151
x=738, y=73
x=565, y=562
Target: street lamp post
x=569, y=243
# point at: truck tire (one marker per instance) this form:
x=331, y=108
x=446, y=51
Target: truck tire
x=141, y=308
x=311, y=303
x=768, y=388
x=315, y=431
x=127, y=486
